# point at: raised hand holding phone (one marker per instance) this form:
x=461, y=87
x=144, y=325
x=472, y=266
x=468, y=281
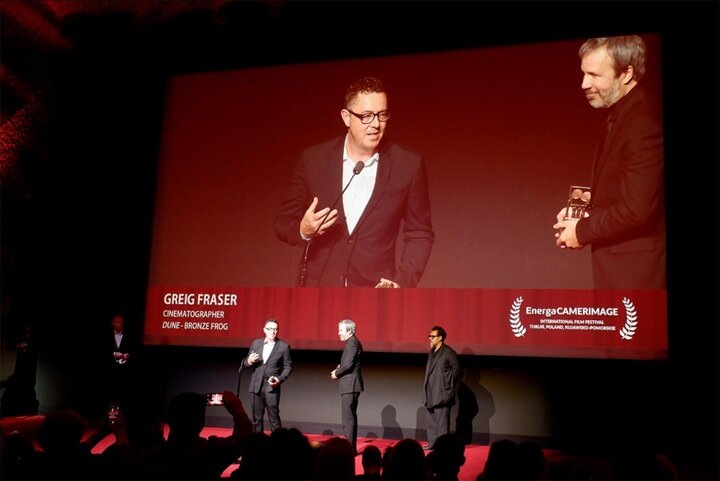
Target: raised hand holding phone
x=215, y=399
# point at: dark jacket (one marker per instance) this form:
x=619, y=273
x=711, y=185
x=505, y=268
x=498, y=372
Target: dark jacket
x=279, y=363
x=442, y=375
x=349, y=371
x=626, y=226
x=366, y=256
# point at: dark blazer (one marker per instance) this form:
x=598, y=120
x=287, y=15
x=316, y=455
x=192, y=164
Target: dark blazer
x=442, y=375
x=400, y=194
x=279, y=364
x=349, y=371
x=124, y=347
x=626, y=226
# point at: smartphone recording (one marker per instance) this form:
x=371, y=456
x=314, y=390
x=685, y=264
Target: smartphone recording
x=113, y=412
x=215, y=399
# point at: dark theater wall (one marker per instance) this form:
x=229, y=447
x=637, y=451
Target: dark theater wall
x=77, y=207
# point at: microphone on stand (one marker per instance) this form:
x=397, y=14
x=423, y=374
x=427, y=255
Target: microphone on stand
x=242, y=364
x=359, y=166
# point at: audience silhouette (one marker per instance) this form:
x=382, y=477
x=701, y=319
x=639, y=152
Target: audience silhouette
x=64, y=456
x=502, y=461
x=139, y=451
x=531, y=459
x=335, y=460
x=445, y=461
x=298, y=455
x=371, y=463
x=256, y=460
x=406, y=461
x=187, y=455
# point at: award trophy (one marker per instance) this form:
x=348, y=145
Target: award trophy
x=578, y=202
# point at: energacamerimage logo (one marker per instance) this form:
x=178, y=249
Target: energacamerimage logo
x=573, y=318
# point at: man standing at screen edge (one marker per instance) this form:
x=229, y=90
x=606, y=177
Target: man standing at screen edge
x=626, y=223
x=349, y=197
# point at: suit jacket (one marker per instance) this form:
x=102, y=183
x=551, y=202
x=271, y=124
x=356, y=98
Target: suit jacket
x=626, y=227
x=124, y=348
x=442, y=375
x=349, y=371
x=400, y=194
x=279, y=363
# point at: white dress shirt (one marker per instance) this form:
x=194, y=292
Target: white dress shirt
x=358, y=193
x=267, y=349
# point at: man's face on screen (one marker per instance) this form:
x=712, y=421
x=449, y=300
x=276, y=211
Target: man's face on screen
x=602, y=88
x=365, y=138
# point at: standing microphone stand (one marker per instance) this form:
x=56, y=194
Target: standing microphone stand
x=242, y=364
x=304, y=264
x=359, y=166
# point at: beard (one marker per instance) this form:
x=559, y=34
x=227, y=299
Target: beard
x=607, y=98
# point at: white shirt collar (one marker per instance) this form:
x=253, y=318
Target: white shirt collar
x=368, y=163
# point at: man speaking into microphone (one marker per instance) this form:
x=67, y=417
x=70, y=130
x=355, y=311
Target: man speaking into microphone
x=350, y=196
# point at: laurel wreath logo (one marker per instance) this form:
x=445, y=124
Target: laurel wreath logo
x=628, y=330
x=517, y=327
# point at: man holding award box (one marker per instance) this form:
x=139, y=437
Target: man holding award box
x=624, y=219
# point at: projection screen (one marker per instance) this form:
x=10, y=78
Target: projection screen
x=504, y=132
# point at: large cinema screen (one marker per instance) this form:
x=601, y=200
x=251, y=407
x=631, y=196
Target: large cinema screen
x=504, y=132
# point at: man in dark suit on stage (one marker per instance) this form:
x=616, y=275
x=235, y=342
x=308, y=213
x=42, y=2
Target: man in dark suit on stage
x=382, y=186
x=120, y=364
x=442, y=376
x=349, y=375
x=626, y=222
x=270, y=360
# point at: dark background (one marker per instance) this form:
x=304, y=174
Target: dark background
x=82, y=102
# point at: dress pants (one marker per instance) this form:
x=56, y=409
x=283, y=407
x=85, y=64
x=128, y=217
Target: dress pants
x=438, y=422
x=349, y=416
x=266, y=400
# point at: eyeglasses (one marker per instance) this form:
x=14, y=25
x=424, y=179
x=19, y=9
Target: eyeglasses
x=368, y=117
x=432, y=337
